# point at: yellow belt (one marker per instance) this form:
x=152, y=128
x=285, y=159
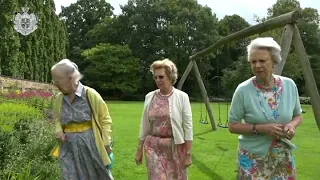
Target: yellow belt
x=72, y=128
x=77, y=127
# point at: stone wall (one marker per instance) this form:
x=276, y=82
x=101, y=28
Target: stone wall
x=7, y=83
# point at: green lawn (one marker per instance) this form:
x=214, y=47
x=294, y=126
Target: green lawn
x=214, y=152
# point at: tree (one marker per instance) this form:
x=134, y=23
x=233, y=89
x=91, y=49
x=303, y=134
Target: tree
x=309, y=32
x=238, y=72
x=173, y=29
x=112, y=69
x=9, y=41
x=282, y=7
x=80, y=18
x=31, y=56
x=111, y=30
x=230, y=53
x=308, y=25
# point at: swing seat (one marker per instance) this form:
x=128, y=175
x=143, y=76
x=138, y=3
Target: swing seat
x=202, y=121
x=223, y=126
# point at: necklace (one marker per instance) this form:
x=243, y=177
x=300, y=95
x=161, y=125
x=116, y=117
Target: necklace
x=272, y=102
x=167, y=94
x=265, y=83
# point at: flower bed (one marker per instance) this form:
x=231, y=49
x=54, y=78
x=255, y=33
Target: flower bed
x=26, y=136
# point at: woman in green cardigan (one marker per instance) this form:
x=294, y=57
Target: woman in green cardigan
x=270, y=108
x=83, y=126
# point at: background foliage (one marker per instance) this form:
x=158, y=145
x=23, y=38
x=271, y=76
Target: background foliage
x=110, y=48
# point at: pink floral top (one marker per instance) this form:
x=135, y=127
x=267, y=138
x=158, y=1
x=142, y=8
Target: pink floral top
x=159, y=116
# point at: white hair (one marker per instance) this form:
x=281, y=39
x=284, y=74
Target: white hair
x=69, y=68
x=266, y=43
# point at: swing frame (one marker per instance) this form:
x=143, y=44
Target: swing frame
x=203, y=121
x=290, y=35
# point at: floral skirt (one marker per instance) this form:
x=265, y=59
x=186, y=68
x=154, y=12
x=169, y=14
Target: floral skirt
x=279, y=164
x=164, y=159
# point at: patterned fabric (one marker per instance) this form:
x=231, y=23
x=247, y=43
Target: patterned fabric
x=79, y=158
x=164, y=158
x=271, y=96
x=78, y=111
x=246, y=106
x=279, y=164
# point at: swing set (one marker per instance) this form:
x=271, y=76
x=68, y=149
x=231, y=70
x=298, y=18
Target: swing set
x=220, y=124
x=205, y=120
x=290, y=35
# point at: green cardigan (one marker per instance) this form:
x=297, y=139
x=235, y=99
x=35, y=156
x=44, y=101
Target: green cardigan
x=101, y=121
x=246, y=105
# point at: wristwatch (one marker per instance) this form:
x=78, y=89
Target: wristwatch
x=254, y=130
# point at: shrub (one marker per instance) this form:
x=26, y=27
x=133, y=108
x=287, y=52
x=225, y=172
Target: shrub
x=4, y=146
x=28, y=158
x=26, y=139
x=42, y=100
x=305, y=100
x=11, y=113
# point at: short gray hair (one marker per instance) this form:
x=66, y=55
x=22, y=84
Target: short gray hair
x=169, y=66
x=69, y=67
x=266, y=43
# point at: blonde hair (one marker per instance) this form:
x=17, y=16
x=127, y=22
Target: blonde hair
x=169, y=66
x=266, y=43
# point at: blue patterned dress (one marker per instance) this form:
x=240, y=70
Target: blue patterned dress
x=79, y=158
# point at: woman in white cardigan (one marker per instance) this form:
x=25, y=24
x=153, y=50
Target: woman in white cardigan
x=166, y=131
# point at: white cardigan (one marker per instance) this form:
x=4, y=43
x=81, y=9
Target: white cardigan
x=180, y=116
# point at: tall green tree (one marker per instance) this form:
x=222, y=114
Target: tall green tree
x=229, y=55
x=236, y=73
x=113, y=30
x=173, y=29
x=308, y=25
x=9, y=41
x=309, y=32
x=80, y=18
x=116, y=68
x=31, y=56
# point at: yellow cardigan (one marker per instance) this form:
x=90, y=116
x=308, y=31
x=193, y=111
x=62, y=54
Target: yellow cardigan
x=101, y=123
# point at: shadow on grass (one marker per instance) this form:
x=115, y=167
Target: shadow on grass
x=205, y=169
x=199, y=134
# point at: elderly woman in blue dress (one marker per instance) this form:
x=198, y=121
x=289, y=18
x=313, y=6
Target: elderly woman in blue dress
x=266, y=112
x=83, y=126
